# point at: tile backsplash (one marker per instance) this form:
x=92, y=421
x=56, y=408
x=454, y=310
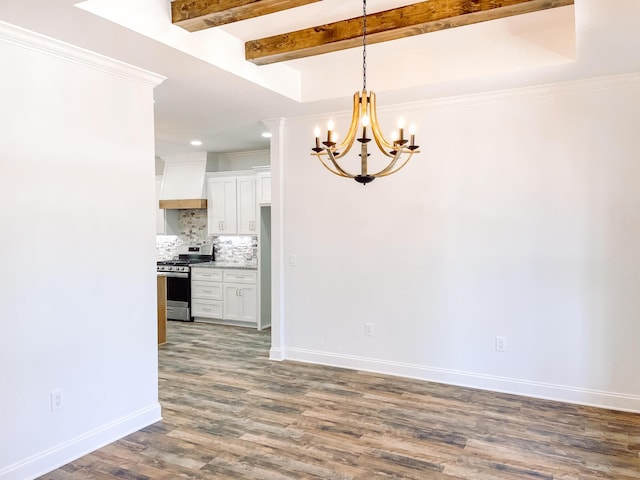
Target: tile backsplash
x=193, y=226
x=230, y=248
x=167, y=247
x=192, y=229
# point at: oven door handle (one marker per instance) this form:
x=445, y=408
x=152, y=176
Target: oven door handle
x=175, y=274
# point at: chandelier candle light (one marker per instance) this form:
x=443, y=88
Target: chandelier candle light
x=398, y=149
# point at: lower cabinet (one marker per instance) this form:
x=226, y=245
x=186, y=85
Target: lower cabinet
x=224, y=295
x=240, y=302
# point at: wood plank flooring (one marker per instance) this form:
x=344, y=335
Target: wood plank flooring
x=230, y=413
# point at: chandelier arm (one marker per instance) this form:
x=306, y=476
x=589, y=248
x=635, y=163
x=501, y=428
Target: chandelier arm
x=390, y=165
x=384, y=172
x=323, y=163
x=347, y=143
x=343, y=172
x=383, y=143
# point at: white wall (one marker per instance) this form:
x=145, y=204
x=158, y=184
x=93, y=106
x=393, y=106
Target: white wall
x=232, y=161
x=520, y=218
x=77, y=305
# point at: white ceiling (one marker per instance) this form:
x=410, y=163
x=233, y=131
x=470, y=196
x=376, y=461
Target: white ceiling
x=212, y=94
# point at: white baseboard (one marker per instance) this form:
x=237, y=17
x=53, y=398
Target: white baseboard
x=276, y=354
x=562, y=393
x=66, y=452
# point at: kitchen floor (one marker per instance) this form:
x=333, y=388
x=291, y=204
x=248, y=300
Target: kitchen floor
x=230, y=413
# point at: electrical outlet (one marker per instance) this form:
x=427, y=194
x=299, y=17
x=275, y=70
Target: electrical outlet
x=368, y=329
x=57, y=400
x=501, y=344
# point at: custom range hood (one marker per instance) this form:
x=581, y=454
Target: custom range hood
x=183, y=185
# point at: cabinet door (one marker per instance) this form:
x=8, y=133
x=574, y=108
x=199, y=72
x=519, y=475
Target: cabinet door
x=232, y=304
x=240, y=302
x=249, y=300
x=246, y=198
x=221, y=206
x=263, y=188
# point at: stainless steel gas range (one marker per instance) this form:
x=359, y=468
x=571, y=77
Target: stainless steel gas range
x=178, y=273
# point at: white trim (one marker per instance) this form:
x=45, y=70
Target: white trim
x=608, y=82
x=70, y=450
x=278, y=219
x=547, y=391
x=276, y=354
x=536, y=91
x=12, y=34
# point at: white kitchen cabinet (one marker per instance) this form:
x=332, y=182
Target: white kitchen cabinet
x=240, y=295
x=221, y=206
x=246, y=205
x=224, y=296
x=240, y=302
x=206, y=293
x=232, y=205
x=263, y=188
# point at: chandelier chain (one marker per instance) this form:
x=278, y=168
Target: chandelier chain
x=364, y=45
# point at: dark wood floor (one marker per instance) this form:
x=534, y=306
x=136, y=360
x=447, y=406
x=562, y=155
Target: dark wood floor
x=229, y=413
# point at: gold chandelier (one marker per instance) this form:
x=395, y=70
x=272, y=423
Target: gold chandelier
x=399, y=149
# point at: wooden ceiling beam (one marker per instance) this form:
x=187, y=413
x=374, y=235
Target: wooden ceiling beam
x=415, y=19
x=195, y=15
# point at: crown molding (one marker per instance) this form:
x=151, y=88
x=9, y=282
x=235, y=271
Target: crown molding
x=14, y=35
x=585, y=85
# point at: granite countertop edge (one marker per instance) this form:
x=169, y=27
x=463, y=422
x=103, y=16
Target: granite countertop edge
x=230, y=265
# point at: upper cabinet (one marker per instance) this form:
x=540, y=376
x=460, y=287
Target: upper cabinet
x=246, y=205
x=263, y=186
x=231, y=205
x=221, y=205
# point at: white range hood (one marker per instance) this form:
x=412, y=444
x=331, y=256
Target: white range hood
x=183, y=184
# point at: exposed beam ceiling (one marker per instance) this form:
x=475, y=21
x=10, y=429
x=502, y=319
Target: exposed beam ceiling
x=194, y=15
x=415, y=19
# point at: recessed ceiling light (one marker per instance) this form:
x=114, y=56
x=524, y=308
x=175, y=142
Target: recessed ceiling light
x=266, y=134
x=196, y=143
